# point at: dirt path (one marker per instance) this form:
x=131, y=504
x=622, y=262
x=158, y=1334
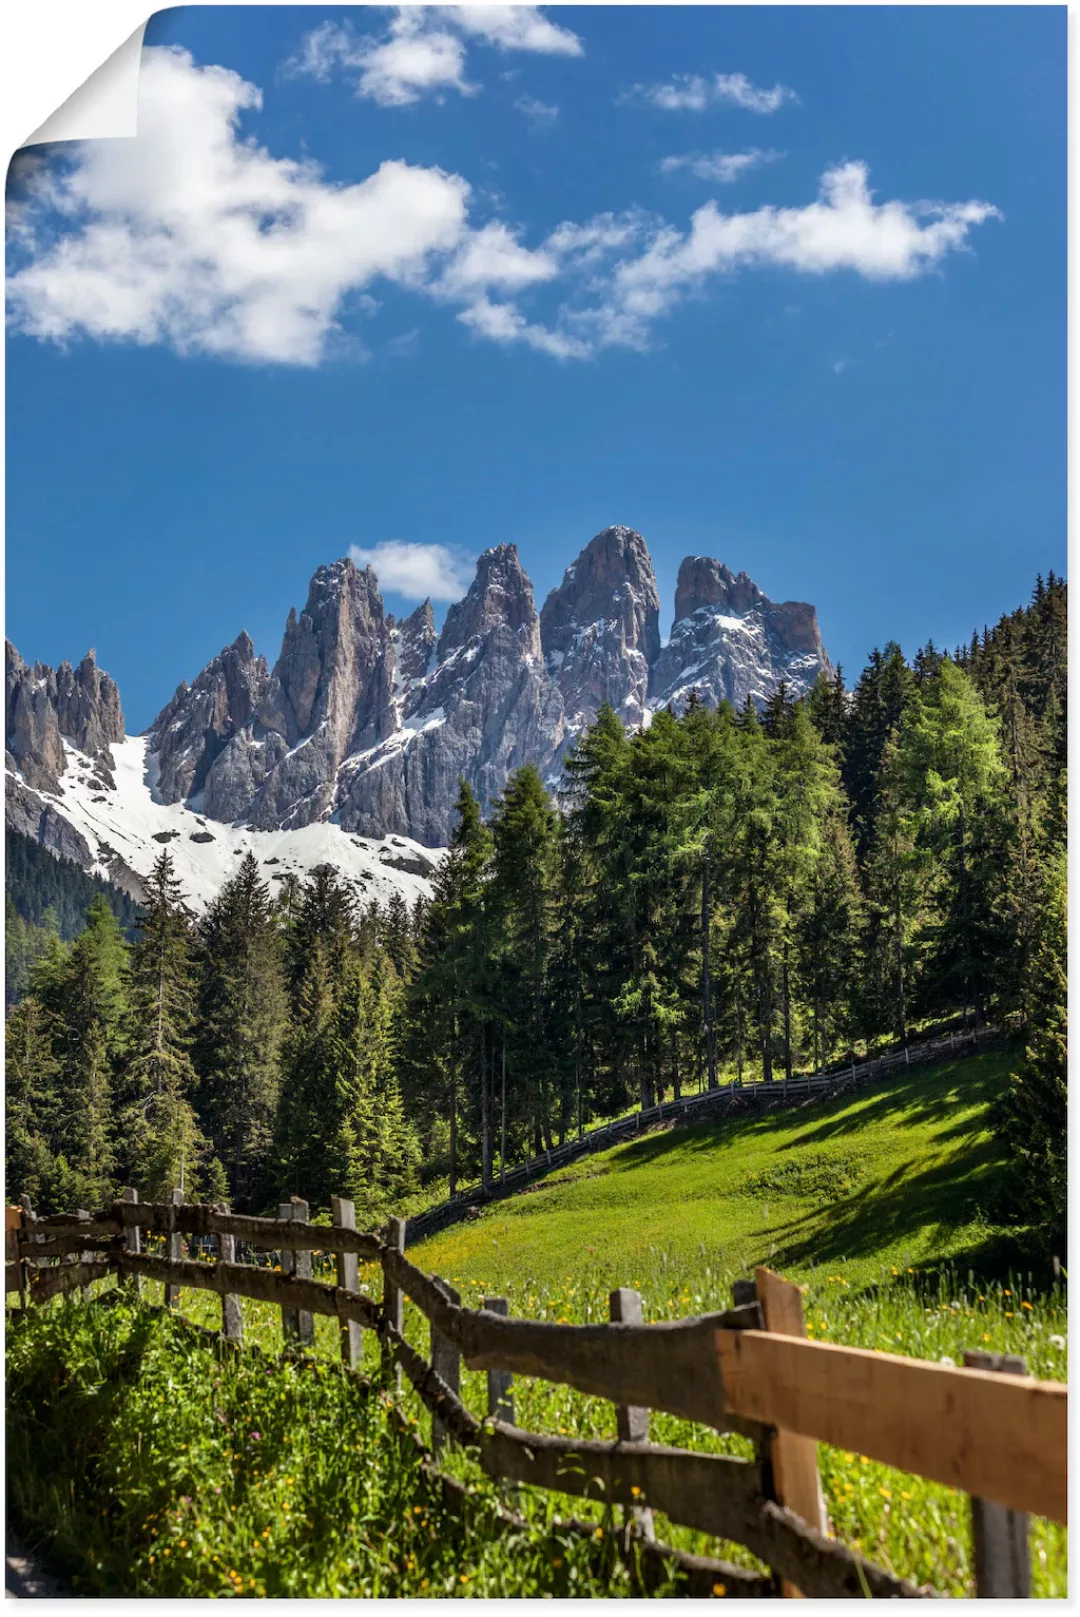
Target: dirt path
x=26, y=1579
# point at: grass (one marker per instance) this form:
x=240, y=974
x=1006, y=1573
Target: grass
x=149, y=1464
x=880, y=1204
x=906, y=1173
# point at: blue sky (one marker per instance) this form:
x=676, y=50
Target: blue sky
x=781, y=285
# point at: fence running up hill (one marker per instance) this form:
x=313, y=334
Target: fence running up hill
x=726, y=1100
x=1000, y=1437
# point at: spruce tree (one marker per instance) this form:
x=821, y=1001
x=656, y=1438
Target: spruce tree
x=162, y=1146
x=241, y=1025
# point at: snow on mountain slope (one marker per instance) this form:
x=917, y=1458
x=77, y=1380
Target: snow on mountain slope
x=126, y=829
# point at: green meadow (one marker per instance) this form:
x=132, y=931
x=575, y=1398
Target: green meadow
x=882, y=1205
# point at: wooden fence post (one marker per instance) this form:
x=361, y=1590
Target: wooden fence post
x=632, y=1423
x=795, y=1478
x=133, y=1238
x=174, y=1246
x=446, y=1363
x=999, y=1535
x=83, y=1216
x=13, y=1223
x=393, y=1303
x=347, y=1264
x=232, y=1319
x=500, y=1396
x=28, y=1218
x=297, y=1322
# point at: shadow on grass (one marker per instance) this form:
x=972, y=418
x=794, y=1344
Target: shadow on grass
x=914, y=1099
x=936, y=1202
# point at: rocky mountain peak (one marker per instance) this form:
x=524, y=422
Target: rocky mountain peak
x=730, y=642
x=45, y=707
x=328, y=653
x=500, y=596
x=194, y=728
x=416, y=640
x=704, y=581
x=600, y=628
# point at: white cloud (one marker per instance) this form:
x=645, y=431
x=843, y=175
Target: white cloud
x=422, y=49
x=541, y=116
x=844, y=229
x=514, y=28
x=690, y=92
x=723, y=167
x=195, y=237
x=416, y=570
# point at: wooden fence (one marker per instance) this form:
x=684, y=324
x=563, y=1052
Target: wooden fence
x=726, y=1100
x=985, y=1428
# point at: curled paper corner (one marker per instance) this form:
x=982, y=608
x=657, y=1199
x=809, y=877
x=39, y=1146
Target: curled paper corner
x=105, y=106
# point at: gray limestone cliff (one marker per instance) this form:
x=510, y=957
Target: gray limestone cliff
x=46, y=706
x=729, y=641
x=372, y=721
x=195, y=727
x=601, y=629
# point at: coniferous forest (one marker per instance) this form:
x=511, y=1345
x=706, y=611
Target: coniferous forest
x=723, y=895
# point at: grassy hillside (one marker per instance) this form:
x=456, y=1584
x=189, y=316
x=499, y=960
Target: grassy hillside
x=904, y=1175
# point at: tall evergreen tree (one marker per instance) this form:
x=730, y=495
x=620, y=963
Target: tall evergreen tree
x=162, y=1146
x=241, y=1025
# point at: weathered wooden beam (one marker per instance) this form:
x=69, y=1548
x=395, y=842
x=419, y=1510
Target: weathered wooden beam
x=393, y=1313
x=446, y=1363
x=232, y=1316
x=632, y=1420
x=347, y=1264
x=823, y=1568
x=57, y=1282
x=666, y=1366
x=174, y=1245
x=297, y=1324
x=796, y=1482
x=272, y=1234
x=714, y=1493
x=262, y=1285
x=1001, y=1437
x=999, y=1536
x=133, y=1237
x=500, y=1383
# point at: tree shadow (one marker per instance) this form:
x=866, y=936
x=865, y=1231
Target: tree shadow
x=937, y=1201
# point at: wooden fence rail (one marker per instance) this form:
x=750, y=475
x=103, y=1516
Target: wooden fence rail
x=984, y=1428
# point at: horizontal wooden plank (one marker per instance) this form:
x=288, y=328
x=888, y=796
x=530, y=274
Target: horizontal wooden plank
x=244, y=1280
x=272, y=1234
x=712, y=1492
x=57, y=1281
x=36, y=1231
x=59, y=1246
x=1001, y=1437
x=668, y=1366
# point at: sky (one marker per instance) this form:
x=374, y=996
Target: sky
x=785, y=286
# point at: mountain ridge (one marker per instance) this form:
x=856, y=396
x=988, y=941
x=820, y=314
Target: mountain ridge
x=367, y=722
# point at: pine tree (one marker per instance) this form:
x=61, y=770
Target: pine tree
x=241, y=1025
x=32, y=1069
x=951, y=762
x=521, y=901
x=162, y=1145
x=1034, y=1119
x=94, y=1041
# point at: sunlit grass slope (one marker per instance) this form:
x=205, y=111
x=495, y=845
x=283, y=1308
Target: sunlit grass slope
x=906, y=1174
